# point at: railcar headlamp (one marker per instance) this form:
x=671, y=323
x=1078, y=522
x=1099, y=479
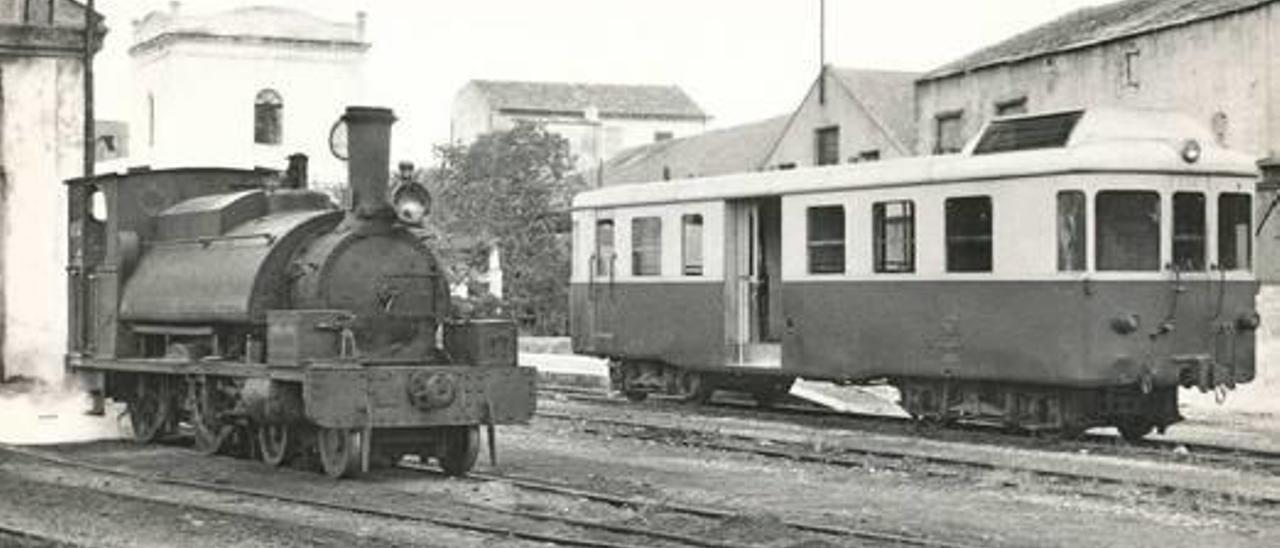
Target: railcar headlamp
x=1248, y=321
x=1191, y=151
x=412, y=202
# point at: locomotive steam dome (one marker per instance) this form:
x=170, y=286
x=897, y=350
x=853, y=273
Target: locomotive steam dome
x=230, y=258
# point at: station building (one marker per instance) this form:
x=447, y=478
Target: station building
x=242, y=88
x=43, y=45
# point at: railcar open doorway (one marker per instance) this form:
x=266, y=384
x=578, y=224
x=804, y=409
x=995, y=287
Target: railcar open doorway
x=753, y=282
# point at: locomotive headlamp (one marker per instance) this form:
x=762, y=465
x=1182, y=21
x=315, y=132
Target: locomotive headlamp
x=412, y=202
x=1191, y=151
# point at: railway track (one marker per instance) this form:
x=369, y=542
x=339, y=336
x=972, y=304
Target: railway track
x=892, y=450
x=1160, y=450
x=692, y=510
x=477, y=518
x=21, y=538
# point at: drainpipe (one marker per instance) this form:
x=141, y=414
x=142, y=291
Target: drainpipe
x=89, y=144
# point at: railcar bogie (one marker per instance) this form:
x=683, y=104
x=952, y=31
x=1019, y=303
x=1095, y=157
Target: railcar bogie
x=1049, y=284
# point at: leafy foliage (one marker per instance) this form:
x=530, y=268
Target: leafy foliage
x=510, y=189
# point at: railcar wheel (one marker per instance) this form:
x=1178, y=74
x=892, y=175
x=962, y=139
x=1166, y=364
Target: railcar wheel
x=1133, y=430
x=458, y=448
x=693, y=387
x=339, y=450
x=276, y=443
x=150, y=409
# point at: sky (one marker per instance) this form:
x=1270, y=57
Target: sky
x=740, y=60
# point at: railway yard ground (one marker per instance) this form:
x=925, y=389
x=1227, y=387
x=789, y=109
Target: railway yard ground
x=593, y=471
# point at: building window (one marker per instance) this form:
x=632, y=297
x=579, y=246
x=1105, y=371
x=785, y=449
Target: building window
x=604, y=248
x=969, y=234
x=947, y=134
x=1235, y=222
x=1072, y=221
x=691, y=244
x=1188, y=231
x=826, y=239
x=646, y=246
x=1219, y=124
x=1012, y=107
x=268, y=109
x=1128, y=230
x=866, y=156
x=786, y=166
x=827, y=146
x=1131, y=59
x=662, y=136
x=894, y=231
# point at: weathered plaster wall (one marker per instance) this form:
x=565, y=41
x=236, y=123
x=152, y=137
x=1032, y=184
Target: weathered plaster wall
x=858, y=131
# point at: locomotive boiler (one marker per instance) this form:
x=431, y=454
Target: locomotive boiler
x=251, y=310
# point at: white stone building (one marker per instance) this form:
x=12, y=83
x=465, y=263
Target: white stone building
x=242, y=88
x=598, y=120
x=42, y=113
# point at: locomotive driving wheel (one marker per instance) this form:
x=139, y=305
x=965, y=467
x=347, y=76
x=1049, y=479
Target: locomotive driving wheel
x=150, y=408
x=339, y=450
x=276, y=443
x=457, y=449
x=210, y=430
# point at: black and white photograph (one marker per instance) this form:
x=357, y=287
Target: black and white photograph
x=639, y=273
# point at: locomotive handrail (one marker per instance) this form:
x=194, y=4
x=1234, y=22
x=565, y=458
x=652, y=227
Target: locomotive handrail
x=206, y=240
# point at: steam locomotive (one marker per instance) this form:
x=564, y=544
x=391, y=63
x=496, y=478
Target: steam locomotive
x=268, y=321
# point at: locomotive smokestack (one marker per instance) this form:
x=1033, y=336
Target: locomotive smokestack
x=369, y=160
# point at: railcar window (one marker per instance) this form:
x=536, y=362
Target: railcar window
x=1235, y=222
x=1188, y=231
x=646, y=246
x=969, y=234
x=894, y=231
x=1072, y=222
x=604, y=247
x=826, y=239
x=1128, y=230
x=691, y=244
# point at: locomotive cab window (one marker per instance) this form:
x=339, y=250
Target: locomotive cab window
x=894, y=231
x=826, y=239
x=969, y=234
x=646, y=246
x=604, y=248
x=1128, y=230
x=1235, y=222
x=1188, y=231
x=1072, y=246
x=691, y=245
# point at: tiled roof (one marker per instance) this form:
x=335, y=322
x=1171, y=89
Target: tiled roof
x=733, y=149
x=608, y=99
x=889, y=96
x=1094, y=25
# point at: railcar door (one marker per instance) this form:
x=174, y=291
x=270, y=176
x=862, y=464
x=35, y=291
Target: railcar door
x=601, y=310
x=753, y=263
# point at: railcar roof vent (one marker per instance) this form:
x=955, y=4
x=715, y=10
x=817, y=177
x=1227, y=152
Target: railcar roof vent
x=1028, y=133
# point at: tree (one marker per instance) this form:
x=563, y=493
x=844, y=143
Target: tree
x=511, y=189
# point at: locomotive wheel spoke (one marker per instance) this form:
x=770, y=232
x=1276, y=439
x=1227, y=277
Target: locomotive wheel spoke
x=457, y=449
x=339, y=450
x=210, y=432
x=276, y=444
x=150, y=409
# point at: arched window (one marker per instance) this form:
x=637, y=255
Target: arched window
x=268, y=112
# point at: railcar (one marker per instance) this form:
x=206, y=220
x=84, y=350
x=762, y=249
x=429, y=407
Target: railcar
x=267, y=320
x=1067, y=270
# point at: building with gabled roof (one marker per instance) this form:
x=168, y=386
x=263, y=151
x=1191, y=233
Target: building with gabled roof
x=598, y=120
x=866, y=114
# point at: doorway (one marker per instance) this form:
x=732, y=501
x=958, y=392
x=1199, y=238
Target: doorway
x=753, y=286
